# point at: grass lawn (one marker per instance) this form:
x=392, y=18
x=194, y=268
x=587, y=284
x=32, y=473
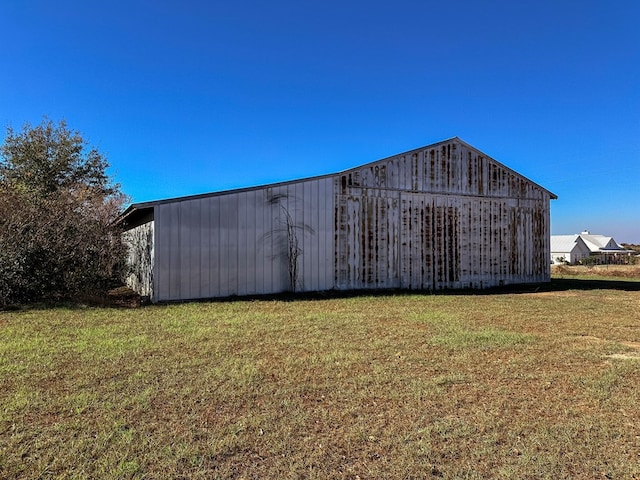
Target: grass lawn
x=519, y=384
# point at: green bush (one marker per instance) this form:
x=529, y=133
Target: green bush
x=58, y=237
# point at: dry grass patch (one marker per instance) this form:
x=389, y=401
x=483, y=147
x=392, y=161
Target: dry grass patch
x=604, y=271
x=408, y=386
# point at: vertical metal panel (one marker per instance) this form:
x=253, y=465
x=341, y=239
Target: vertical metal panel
x=326, y=236
x=323, y=266
x=167, y=241
x=206, y=252
x=215, y=260
x=391, y=175
x=253, y=232
x=309, y=254
x=305, y=234
x=260, y=255
x=175, y=250
x=238, y=246
x=409, y=247
x=355, y=255
x=191, y=228
x=341, y=234
x=275, y=235
x=229, y=232
x=245, y=246
x=182, y=281
x=232, y=244
x=162, y=254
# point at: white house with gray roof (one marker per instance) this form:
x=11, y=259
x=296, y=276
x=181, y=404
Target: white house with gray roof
x=577, y=247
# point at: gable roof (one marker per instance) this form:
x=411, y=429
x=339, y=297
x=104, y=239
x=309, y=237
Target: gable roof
x=594, y=243
x=564, y=243
x=438, y=144
x=601, y=243
x=137, y=213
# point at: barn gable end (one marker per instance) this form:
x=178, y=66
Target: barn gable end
x=443, y=216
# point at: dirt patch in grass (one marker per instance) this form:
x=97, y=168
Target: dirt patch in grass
x=625, y=356
x=554, y=294
x=631, y=355
x=123, y=297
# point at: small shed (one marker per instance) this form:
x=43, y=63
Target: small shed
x=444, y=216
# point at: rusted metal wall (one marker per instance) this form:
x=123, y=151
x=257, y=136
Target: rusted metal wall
x=237, y=243
x=446, y=216
x=140, y=257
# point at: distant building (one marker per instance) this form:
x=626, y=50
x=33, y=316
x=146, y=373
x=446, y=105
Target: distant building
x=575, y=248
x=439, y=217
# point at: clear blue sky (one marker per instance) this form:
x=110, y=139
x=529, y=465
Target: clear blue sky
x=186, y=97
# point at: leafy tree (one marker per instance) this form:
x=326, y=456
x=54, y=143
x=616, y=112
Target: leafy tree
x=58, y=237
x=48, y=158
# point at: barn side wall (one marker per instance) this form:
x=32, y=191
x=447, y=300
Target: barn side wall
x=259, y=241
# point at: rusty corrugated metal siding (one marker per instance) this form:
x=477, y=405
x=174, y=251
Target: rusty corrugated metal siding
x=139, y=240
x=442, y=217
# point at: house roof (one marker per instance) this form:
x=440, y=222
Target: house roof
x=595, y=243
x=137, y=213
x=563, y=243
x=601, y=243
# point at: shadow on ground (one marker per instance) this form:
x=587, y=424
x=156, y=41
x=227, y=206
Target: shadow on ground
x=568, y=283
x=125, y=298
x=556, y=285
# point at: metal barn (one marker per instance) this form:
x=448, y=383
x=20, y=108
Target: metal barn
x=444, y=216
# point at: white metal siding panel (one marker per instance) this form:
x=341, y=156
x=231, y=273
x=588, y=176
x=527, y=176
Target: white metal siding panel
x=191, y=230
x=255, y=265
x=247, y=270
x=162, y=254
x=328, y=229
x=167, y=242
x=229, y=231
x=212, y=206
x=259, y=251
x=235, y=244
x=309, y=254
x=175, y=251
x=205, y=251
